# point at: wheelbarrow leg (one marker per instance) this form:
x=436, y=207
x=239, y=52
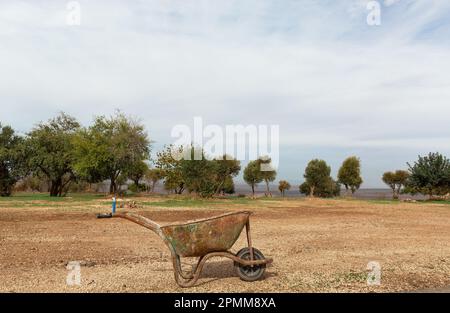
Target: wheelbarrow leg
x=249, y=240
x=190, y=279
x=190, y=274
x=184, y=281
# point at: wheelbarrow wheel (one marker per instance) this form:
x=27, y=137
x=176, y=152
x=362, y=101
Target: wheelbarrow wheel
x=246, y=272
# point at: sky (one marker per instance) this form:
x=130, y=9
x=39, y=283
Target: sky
x=335, y=85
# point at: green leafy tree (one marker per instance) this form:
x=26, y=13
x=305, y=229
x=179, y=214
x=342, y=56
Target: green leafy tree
x=430, y=175
x=396, y=181
x=136, y=172
x=227, y=167
x=50, y=150
x=228, y=186
x=169, y=162
x=317, y=174
x=109, y=148
x=349, y=174
x=252, y=175
x=12, y=159
x=326, y=189
x=199, y=174
x=283, y=185
x=318, y=181
x=268, y=173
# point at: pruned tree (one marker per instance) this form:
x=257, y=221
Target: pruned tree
x=268, y=173
x=317, y=174
x=283, y=185
x=252, y=175
x=349, y=174
x=396, y=181
x=327, y=189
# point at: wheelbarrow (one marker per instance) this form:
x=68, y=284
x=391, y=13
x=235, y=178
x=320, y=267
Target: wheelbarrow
x=206, y=238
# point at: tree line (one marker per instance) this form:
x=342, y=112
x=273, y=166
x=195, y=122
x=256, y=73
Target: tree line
x=67, y=156
x=61, y=152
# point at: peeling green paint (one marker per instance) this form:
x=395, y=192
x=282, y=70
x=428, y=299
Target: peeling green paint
x=204, y=236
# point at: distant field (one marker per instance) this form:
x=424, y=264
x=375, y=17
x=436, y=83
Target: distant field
x=317, y=245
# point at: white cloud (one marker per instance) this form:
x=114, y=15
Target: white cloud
x=319, y=71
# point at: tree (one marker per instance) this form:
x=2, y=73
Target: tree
x=50, y=149
x=327, y=189
x=430, y=175
x=283, y=185
x=252, y=175
x=349, y=174
x=136, y=171
x=317, y=174
x=169, y=162
x=228, y=186
x=109, y=148
x=199, y=175
x=268, y=174
x=396, y=180
x=12, y=159
x=226, y=169
x=154, y=175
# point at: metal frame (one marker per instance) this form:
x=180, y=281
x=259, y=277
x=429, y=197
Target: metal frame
x=189, y=279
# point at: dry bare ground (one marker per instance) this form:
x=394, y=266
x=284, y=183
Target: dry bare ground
x=317, y=246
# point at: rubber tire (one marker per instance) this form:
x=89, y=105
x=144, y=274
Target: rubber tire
x=248, y=273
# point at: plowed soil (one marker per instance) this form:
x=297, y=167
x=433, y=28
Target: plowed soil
x=317, y=246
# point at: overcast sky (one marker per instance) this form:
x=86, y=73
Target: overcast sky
x=335, y=85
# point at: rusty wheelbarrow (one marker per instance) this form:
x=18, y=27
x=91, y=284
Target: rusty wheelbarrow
x=206, y=238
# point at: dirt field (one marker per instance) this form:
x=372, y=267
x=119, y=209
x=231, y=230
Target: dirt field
x=317, y=245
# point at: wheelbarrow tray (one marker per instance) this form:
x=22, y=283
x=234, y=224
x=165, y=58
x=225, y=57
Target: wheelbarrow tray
x=202, y=236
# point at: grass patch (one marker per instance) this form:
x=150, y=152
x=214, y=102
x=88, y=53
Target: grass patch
x=350, y=277
x=46, y=197
x=193, y=203
x=415, y=202
x=438, y=201
x=384, y=201
x=198, y=202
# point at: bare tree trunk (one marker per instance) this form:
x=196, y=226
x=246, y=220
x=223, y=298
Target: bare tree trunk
x=219, y=186
x=399, y=190
x=347, y=191
x=267, y=188
x=113, y=186
x=311, y=191
x=394, y=195
x=55, y=187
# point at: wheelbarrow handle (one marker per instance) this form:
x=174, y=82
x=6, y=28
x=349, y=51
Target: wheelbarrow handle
x=104, y=215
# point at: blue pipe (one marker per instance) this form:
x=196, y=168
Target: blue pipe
x=114, y=205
